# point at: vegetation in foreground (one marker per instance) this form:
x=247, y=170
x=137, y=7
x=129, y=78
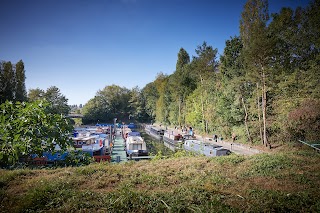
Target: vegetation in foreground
x=286, y=181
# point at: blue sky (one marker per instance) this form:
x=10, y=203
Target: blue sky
x=81, y=46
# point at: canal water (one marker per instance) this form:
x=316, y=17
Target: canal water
x=155, y=146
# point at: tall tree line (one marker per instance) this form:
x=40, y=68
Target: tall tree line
x=12, y=81
x=264, y=88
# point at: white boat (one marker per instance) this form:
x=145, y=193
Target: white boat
x=135, y=145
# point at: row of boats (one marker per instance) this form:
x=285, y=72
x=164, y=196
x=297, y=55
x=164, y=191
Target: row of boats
x=175, y=141
x=97, y=142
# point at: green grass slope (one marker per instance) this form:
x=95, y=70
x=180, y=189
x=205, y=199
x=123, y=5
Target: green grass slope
x=286, y=181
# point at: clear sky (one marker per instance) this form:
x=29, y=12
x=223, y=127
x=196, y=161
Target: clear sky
x=81, y=46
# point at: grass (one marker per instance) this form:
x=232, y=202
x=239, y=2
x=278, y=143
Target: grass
x=283, y=181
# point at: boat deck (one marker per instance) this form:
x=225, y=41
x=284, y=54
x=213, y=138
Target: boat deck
x=118, y=152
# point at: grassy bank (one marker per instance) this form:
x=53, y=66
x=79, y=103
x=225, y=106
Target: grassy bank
x=281, y=182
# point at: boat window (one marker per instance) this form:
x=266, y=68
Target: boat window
x=137, y=146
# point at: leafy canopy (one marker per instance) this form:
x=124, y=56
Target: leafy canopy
x=27, y=128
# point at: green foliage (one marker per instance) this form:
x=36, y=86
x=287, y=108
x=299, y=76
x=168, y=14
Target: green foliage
x=109, y=103
x=158, y=156
x=137, y=106
x=78, y=158
x=48, y=195
x=27, y=128
x=268, y=165
x=12, y=81
x=58, y=103
x=8, y=82
x=232, y=159
x=278, y=201
x=150, y=95
x=183, y=153
x=21, y=93
x=35, y=94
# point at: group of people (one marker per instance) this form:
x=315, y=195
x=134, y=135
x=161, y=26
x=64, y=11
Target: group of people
x=185, y=130
x=191, y=132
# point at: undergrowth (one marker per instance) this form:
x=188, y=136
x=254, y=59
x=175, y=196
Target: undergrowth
x=285, y=181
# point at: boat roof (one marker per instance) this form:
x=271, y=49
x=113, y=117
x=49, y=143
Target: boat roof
x=133, y=133
x=135, y=139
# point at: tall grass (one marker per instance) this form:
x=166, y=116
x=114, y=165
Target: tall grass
x=287, y=181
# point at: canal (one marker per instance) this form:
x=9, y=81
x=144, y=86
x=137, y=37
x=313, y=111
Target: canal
x=155, y=146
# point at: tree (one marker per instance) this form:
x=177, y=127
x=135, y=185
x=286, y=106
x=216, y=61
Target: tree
x=12, y=82
x=8, y=78
x=204, y=66
x=2, y=83
x=150, y=96
x=233, y=74
x=58, y=102
x=257, y=48
x=21, y=94
x=35, y=94
x=137, y=105
x=296, y=60
x=28, y=128
x=179, y=83
x=109, y=103
x=183, y=59
x=163, y=102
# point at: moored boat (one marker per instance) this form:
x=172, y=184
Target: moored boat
x=135, y=145
x=207, y=149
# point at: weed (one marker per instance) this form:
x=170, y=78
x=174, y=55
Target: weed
x=277, y=182
x=277, y=201
x=47, y=195
x=268, y=165
x=232, y=159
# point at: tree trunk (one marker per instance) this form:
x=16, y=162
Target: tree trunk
x=259, y=116
x=202, y=107
x=179, y=115
x=264, y=108
x=246, y=120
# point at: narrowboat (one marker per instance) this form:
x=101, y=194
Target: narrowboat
x=155, y=132
x=207, y=149
x=172, y=140
x=135, y=145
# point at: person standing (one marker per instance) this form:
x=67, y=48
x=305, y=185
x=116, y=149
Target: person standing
x=233, y=137
x=215, y=138
x=191, y=131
